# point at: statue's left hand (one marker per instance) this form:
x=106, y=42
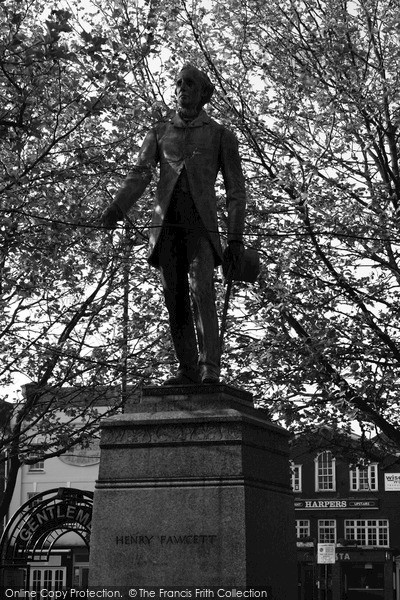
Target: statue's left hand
x=232, y=255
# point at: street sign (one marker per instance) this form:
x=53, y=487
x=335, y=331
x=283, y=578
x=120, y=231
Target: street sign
x=326, y=554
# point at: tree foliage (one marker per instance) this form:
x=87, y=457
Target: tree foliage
x=64, y=283
x=311, y=89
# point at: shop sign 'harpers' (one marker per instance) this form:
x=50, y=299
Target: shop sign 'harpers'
x=336, y=504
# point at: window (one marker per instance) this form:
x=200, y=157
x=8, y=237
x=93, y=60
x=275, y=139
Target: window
x=327, y=531
x=302, y=528
x=364, y=478
x=296, y=477
x=38, y=465
x=325, y=480
x=369, y=576
x=37, y=579
x=367, y=532
x=59, y=576
x=50, y=578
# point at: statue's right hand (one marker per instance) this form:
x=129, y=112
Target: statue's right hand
x=110, y=216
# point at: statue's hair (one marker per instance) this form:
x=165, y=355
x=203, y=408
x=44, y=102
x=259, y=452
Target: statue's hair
x=208, y=87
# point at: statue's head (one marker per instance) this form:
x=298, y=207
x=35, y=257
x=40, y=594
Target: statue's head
x=193, y=89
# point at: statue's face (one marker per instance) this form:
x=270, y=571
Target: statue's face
x=188, y=89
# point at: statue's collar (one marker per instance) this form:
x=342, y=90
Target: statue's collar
x=201, y=118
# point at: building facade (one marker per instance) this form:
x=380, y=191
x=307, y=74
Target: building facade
x=56, y=489
x=347, y=525
x=68, y=563
x=350, y=507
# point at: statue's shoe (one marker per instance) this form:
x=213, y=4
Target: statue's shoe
x=184, y=377
x=209, y=376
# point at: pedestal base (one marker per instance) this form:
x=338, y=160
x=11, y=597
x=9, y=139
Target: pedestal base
x=193, y=491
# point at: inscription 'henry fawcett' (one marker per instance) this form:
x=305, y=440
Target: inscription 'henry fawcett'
x=187, y=539
x=130, y=540
x=164, y=540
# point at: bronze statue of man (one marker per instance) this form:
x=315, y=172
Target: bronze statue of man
x=190, y=149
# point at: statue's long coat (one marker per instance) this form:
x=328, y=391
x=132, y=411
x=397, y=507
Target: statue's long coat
x=203, y=147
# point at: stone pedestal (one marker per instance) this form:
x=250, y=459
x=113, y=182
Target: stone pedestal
x=193, y=492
